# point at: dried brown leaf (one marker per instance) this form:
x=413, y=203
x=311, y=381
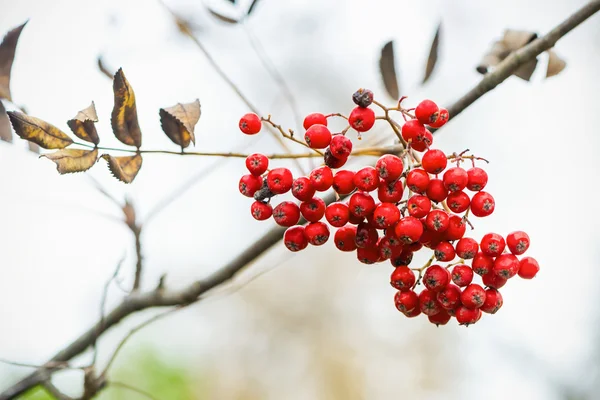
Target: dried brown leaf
x=511, y=41
x=37, y=131
x=5, y=130
x=433, y=54
x=526, y=70
x=178, y=122
x=83, y=124
x=7, y=56
x=497, y=53
x=222, y=18
x=387, y=66
x=73, y=160
x=124, y=119
x=514, y=39
x=124, y=168
x=555, y=64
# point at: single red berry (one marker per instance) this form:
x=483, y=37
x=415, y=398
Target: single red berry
x=458, y=202
x=436, y=191
x=417, y=180
x=331, y=161
x=362, y=119
x=418, y=206
x=286, y=213
x=405, y=258
x=492, y=244
x=280, y=180
x=462, y=275
x=430, y=239
x=455, y=179
x=343, y=182
x=337, y=214
x=249, y=184
x=466, y=248
x=406, y=301
x=321, y=178
x=250, y=124
x=422, y=143
x=361, y=204
x=257, y=164
x=354, y=220
x=412, y=130
x=366, y=236
x=493, y=301
x=389, y=247
x=261, y=211
x=528, y=268
x=482, y=204
x=427, y=112
x=518, y=242
x=436, y=278
x=313, y=210
x=413, y=313
x=477, y=179
x=340, y=146
x=402, y=278
x=506, y=266
x=482, y=264
x=390, y=192
x=492, y=280
x=449, y=297
x=456, y=228
x=440, y=318
x=389, y=167
x=362, y=97
x=317, y=136
x=303, y=189
x=467, y=316
x=434, y=161
x=444, y=252
x=428, y=302
x=367, y=255
x=473, y=296
x=295, y=239
x=317, y=233
x=443, y=117
x=437, y=221
x=409, y=230
x=366, y=179
x=314, y=119
x=385, y=215
x=344, y=238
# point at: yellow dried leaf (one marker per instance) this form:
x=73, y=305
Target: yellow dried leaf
x=178, y=122
x=83, y=124
x=387, y=67
x=7, y=55
x=73, y=160
x=124, y=168
x=555, y=64
x=39, y=132
x=5, y=131
x=124, y=119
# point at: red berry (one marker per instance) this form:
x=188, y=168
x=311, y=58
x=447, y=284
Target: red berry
x=257, y=163
x=405, y=258
x=518, y=242
x=249, y=184
x=354, y=220
x=317, y=136
x=390, y=192
x=443, y=117
x=428, y=302
x=477, y=179
x=412, y=130
x=294, y=238
x=313, y=210
x=386, y=215
x=389, y=247
x=303, y=189
x=430, y=239
x=466, y=248
x=436, y=278
x=493, y=301
x=422, y=143
x=506, y=266
x=250, y=124
x=467, y=316
x=413, y=313
x=492, y=244
x=361, y=204
x=333, y=162
x=449, y=297
x=473, y=296
x=261, y=211
x=482, y=204
x=343, y=182
x=456, y=228
x=440, y=318
x=482, y=264
x=434, y=161
x=406, y=301
x=455, y=179
x=418, y=206
x=427, y=112
x=528, y=268
x=389, y=167
x=344, y=238
x=409, y=230
x=444, y=252
x=366, y=179
x=417, y=180
x=314, y=119
x=366, y=236
x=402, y=278
x=337, y=214
x=492, y=280
x=462, y=275
x=321, y=178
x=367, y=255
x=436, y=190
x=340, y=146
x=437, y=221
x=362, y=119
x=458, y=202
x=286, y=213
x=317, y=233
x=279, y=180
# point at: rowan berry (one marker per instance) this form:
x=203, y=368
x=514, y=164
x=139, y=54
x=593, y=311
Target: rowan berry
x=467, y=316
x=412, y=130
x=440, y=318
x=389, y=247
x=473, y=296
x=434, y=161
x=362, y=119
x=422, y=143
x=428, y=302
x=427, y=112
x=321, y=178
x=482, y=264
x=340, y=146
x=366, y=236
x=361, y=204
x=337, y=214
x=344, y=238
x=363, y=97
x=366, y=179
x=317, y=233
x=313, y=210
x=458, y=202
x=518, y=242
x=417, y=180
x=492, y=280
x=409, y=230
x=257, y=164
x=250, y=124
x=295, y=239
x=492, y=244
x=261, y=211
x=317, y=136
x=482, y=204
x=449, y=297
x=390, y=192
x=528, y=268
x=331, y=161
x=418, y=206
x=280, y=180
x=385, y=215
x=437, y=221
x=402, y=278
x=455, y=179
x=249, y=184
x=406, y=301
x=462, y=275
x=405, y=258
x=436, y=191
x=477, y=179
x=466, y=248
x=368, y=255
x=303, y=189
x=413, y=313
x=456, y=228
x=286, y=213
x=506, y=266
x=436, y=278
x=314, y=119
x=444, y=252
x=443, y=117
x=493, y=301
x=389, y=167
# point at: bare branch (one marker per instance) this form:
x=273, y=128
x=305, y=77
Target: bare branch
x=132, y=388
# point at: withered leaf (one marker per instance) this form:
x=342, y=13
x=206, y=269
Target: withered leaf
x=73, y=160
x=37, y=131
x=124, y=168
x=433, y=54
x=252, y=6
x=387, y=66
x=34, y=148
x=223, y=18
x=124, y=119
x=555, y=64
x=526, y=70
x=7, y=56
x=5, y=130
x=103, y=68
x=83, y=124
x=178, y=122
x=514, y=39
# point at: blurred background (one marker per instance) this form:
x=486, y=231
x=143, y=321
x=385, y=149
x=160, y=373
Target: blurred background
x=318, y=324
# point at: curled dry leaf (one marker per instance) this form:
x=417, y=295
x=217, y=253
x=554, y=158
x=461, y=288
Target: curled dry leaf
x=7, y=56
x=511, y=41
x=5, y=131
x=526, y=70
x=124, y=119
x=178, y=122
x=124, y=168
x=103, y=68
x=39, y=132
x=73, y=160
x=222, y=18
x=433, y=55
x=387, y=66
x=83, y=124
x=555, y=64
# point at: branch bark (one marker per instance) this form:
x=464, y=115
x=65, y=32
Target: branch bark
x=163, y=298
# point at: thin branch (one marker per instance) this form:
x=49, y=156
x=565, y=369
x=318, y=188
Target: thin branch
x=54, y=391
x=139, y=263
x=132, y=388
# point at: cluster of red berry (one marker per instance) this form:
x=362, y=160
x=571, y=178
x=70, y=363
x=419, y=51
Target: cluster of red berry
x=434, y=214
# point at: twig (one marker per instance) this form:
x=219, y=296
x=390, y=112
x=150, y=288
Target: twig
x=54, y=391
x=132, y=388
